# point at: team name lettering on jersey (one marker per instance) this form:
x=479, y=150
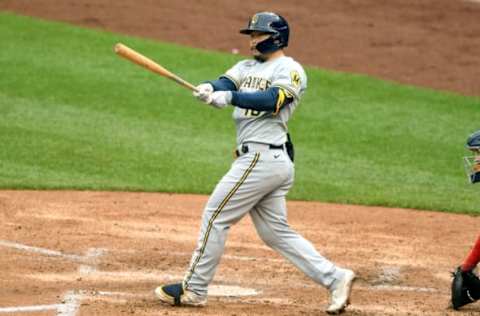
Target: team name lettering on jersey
x=252, y=76
x=257, y=83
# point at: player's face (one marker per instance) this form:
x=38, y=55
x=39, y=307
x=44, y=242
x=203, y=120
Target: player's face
x=477, y=161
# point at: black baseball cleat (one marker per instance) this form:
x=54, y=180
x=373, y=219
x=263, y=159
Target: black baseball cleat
x=176, y=295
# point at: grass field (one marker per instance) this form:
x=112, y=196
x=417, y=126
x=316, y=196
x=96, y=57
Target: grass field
x=73, y=115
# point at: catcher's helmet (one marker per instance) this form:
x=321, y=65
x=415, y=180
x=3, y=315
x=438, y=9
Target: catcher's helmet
x=270, y=23
x=472, y=163
x=473, y=141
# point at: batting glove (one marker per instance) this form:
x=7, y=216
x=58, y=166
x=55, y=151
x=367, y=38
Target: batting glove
x=220, y=99
x=203, y=92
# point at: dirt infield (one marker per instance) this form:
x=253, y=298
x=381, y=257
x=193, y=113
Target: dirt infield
x=432, y=43
x=102, y=253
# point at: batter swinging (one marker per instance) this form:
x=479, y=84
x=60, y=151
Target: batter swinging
x=265, y=91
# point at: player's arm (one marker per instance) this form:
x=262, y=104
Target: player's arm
x=270, y=100
x=223, y=84
x=205, y=89
x=227, y=82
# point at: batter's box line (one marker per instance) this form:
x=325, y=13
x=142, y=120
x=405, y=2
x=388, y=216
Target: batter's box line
x=90, y=257
x=69, y=306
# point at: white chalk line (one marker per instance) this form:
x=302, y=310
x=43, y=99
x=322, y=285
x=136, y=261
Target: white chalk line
x=71, y=300
x=43, y=251
x=385, y=287
x=69, y=307
x=92, y=255
x=26, y=309
x=71, y=304
x=228, y=257
x=214, y=291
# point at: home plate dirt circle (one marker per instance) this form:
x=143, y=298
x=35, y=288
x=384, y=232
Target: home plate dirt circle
x=231, y=291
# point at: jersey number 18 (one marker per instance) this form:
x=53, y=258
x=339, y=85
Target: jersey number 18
x=249, y=112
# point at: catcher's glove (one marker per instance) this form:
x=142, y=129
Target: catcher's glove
x=465, y=288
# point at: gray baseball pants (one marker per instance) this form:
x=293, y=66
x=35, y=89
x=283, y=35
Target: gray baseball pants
x=256, y=183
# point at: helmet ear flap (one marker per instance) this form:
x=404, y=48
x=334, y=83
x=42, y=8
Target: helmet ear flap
x=269, y=45
x=282, y=31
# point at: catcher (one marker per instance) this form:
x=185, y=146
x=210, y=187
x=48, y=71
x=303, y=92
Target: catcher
x=466, y=284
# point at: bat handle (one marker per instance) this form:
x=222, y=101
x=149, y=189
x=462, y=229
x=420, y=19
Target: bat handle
x=184, y=83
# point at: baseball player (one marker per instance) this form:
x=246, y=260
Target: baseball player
x=264, y=92
x=465, y=284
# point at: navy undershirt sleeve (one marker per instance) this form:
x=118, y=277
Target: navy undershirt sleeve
x=223, y=84
x=258, y=101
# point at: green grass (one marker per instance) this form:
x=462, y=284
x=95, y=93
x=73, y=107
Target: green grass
x=73, y=115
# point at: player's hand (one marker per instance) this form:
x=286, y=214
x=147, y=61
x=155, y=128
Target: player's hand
x=220, y=99
x=204, y=92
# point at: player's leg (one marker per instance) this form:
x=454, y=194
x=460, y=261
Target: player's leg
x=473, y=257
x=234, y=196
x=274, y=230
x=270, y=219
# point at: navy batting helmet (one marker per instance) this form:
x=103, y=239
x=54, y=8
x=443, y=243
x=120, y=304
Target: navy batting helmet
x=269, y=23
x=472, y=163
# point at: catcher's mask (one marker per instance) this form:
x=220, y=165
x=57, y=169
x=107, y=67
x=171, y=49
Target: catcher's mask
x=472, y=163
x=269, y=23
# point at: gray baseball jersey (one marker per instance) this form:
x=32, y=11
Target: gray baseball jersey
x=250, y=76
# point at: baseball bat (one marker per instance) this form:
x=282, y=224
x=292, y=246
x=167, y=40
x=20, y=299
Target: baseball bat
x=139, y=59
